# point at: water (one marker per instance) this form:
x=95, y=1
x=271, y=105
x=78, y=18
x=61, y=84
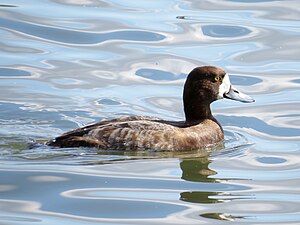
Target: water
x=66, y=63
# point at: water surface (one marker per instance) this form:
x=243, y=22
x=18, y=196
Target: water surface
x=68, y=63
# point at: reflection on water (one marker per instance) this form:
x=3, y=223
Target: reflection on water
x=68, y=63
x=13, y=72
x=158, y=75
x=197, y=170
x=7, y=6
x=75, y=37
x=224, y=31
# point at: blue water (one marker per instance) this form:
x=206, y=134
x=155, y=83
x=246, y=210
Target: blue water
x=67, y=63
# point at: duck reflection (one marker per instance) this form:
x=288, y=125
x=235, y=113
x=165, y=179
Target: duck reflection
x=197, y=170
x=198, y=197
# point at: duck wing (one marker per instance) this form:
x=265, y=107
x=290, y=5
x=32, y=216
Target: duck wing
x=126, y=133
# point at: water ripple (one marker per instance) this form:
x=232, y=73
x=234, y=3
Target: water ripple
x=7, y=72
x=67, y=63
x=77, y=37
x=224, y=31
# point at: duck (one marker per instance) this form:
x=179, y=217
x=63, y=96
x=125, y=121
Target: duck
x=199, y=130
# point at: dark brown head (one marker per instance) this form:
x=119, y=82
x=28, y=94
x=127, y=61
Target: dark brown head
x=205, y=85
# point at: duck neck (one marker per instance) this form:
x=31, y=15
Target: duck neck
x=197, y=112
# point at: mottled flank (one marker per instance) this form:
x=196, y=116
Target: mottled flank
x=199, y=130
x=142, y=133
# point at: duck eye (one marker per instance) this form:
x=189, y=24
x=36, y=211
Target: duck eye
x=218, y=78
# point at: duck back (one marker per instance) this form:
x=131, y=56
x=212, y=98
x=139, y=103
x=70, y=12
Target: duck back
x=143, y=133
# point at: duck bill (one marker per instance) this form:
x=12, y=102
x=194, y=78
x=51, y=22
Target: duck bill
x=238, y=96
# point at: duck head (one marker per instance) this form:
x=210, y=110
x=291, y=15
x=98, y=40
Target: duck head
x=205, y=85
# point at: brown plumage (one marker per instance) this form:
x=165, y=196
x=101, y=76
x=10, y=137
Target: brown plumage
x=199, y=130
